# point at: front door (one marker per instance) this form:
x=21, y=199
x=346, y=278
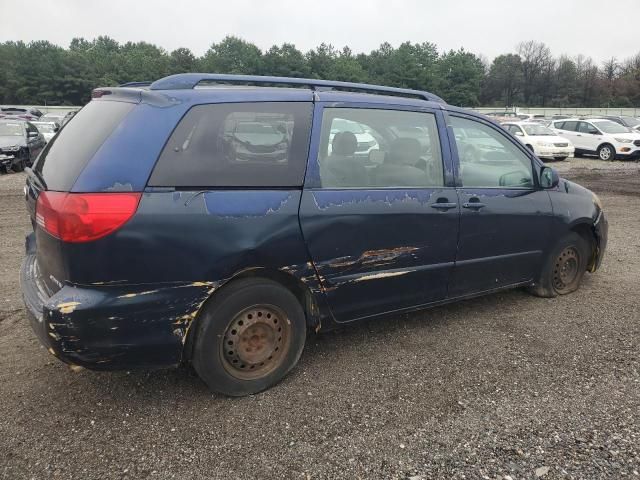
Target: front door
x=505, y=217
x=379, y=211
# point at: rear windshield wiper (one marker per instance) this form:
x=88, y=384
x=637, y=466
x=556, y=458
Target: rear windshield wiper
x=37, y=177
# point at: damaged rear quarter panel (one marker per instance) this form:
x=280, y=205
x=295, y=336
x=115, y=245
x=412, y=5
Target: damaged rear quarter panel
x=138, y=302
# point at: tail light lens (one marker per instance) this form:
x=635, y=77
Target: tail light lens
x=83, y=217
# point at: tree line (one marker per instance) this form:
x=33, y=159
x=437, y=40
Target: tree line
x=41, y=73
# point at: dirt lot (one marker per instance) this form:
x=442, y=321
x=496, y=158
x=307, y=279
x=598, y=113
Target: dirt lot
x=507, y=386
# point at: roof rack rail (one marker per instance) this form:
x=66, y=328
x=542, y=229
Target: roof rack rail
x=184, y=81
x=135, y=84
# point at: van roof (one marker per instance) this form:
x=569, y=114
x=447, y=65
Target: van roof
x=224, y=86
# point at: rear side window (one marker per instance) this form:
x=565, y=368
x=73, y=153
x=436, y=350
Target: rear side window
x=67, y=153
x=570, y=126
x=237, y=145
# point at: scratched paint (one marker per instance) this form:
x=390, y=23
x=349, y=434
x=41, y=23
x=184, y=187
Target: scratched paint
x=378, y=276
x=67, y=307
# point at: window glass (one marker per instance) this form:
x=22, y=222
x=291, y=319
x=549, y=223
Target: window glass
x=570, y=126
x=488, y=158
x=8, y=129
x=584, y=127
x=237, y=145
x=67, y=153
x=538, y=130
x=361, y=147
x=611, y=127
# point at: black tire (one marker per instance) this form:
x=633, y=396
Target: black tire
x=19, y=167
x=564, y=267
x=249, y=337
x=559, y=159
x=606, y=152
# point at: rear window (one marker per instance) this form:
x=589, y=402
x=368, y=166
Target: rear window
x=67, y=153
x=237, y=145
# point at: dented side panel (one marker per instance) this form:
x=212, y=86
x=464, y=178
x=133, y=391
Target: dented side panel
x=380, y=250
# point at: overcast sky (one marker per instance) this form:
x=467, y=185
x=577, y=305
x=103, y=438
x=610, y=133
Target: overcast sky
x=598, y=28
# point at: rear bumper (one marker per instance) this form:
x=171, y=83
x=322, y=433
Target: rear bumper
x=112, y=327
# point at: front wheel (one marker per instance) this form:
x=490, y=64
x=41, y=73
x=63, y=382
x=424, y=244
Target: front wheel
x=606, y=152
x=250, y=338
x=564, y=267
x=559, y=159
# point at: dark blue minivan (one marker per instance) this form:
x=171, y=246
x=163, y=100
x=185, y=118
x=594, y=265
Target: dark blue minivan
x=216, y=219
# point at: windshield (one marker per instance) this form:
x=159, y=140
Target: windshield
x=11, y=129
x=341, y=125
x=611, y=127
x=44, y=127
x=537, y=130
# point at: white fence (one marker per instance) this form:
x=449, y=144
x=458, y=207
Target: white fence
x=547, y=112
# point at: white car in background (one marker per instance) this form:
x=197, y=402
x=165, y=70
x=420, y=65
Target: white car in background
x=599, y=136
x=47, y=129
x=544, y=142
x=366, y=141
x=532, y=117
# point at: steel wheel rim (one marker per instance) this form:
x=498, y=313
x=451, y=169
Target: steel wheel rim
x=566, y=269
x=256, y=342
x=605, y=153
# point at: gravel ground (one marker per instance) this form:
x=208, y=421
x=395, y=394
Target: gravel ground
x=506, y=386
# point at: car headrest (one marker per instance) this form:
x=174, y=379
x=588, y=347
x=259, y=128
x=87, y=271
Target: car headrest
x=404, y=151
x=344, y=143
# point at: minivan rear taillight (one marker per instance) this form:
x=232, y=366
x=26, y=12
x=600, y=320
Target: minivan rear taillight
x=83, y=217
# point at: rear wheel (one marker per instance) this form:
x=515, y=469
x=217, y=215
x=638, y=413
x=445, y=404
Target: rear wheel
x=606, y=152
x=249, y=338
x=564, y=268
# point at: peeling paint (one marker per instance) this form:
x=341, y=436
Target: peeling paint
x=132, y=295
x=245, y=204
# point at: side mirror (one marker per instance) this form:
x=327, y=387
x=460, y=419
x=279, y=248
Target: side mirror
x=519, y=134
x=549, y=177
x=56, y=128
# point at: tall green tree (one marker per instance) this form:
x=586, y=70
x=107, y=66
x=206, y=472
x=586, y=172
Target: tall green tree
x=460, y=74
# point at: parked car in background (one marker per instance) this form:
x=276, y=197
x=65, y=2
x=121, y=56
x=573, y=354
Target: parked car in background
x=28, y=113
x=624, y=120
x=20, y=144
x=365, y=142
x=61, y=118
x=544, y=142
x=152, y=245
x=47, y=129
x=531, y=117
x=604, y=138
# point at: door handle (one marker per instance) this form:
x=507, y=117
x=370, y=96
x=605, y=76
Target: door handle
x=473, y=205
x=444, y=205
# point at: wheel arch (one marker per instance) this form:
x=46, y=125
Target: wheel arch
x=585, y=229
x=294, y=284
